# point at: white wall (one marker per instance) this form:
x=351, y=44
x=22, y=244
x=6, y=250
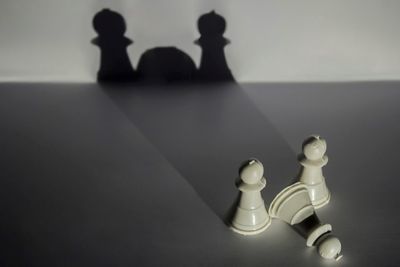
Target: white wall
x=272, y=40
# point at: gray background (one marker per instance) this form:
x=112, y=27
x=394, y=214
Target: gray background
x=271, y=40
x=110, y=176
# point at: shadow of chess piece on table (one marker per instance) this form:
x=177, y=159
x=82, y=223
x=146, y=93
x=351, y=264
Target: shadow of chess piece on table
x=115, y=65
x=213, y=65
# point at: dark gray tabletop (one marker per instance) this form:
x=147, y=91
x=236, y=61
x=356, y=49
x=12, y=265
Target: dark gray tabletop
x=144, y=176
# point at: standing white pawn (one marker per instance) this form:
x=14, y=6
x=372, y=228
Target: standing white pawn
x=312, y=161
x=251, y=216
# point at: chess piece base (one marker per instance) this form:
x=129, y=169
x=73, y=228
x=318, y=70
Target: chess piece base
x=292, y=204
x=264, y=227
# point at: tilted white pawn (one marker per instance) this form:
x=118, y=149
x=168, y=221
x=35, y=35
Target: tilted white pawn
x=312, y=161
x=293, y=205
x=251, y=216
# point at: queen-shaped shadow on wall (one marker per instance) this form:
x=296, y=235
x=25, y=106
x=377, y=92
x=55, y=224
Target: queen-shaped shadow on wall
x=160, y=64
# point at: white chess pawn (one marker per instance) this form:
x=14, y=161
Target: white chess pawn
x=312, y=161
x=251, y=216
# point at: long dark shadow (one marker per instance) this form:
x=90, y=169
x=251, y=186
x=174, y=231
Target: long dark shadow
x=166, y=65
x=115, y=65
x=160, y=65
x=213, y=65
x=205, y=132
x=199, y=119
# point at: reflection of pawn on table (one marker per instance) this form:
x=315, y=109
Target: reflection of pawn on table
x=312, y=161
x=251, y=216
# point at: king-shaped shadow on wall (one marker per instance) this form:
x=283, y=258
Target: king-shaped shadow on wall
x=160, y=64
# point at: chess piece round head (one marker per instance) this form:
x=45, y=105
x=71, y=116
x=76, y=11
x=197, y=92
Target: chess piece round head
x=251, y=171
x=330, y=248
x=109, y=23
x=211, y=24
x=314, y=148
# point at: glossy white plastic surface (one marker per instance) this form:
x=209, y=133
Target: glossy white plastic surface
x=292, y=204
x=251, y=216
x=318, y=232
x=312, y=161
x=330, y=248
